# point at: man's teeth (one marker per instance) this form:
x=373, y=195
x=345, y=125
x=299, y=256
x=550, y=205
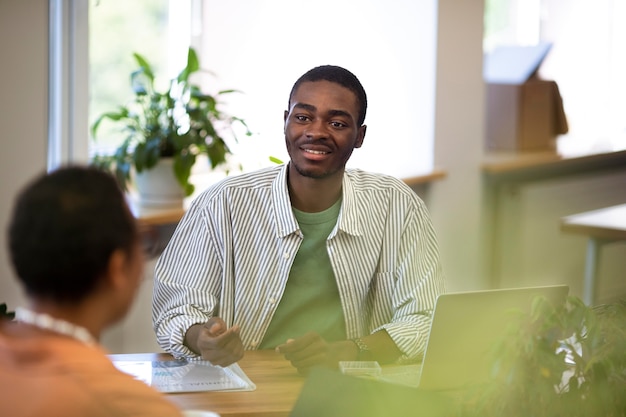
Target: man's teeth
x=315, y=152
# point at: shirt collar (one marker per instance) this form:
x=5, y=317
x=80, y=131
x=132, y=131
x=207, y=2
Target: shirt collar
x=349, y=220
x=350, y=216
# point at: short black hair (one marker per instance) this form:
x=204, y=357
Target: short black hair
x=340, y=76
x=64, y=228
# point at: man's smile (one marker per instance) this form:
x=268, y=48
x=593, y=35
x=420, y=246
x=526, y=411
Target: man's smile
x=315, y=152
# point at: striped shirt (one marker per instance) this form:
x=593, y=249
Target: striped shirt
x=231, y=254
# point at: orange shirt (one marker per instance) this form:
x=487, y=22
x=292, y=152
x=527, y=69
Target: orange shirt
x=56, y=376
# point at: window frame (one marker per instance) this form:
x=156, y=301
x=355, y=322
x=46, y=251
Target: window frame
x=68, y=85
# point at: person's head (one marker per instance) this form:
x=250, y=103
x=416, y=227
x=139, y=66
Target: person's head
x=337, y=75
x=324, y=121
x=70, y=231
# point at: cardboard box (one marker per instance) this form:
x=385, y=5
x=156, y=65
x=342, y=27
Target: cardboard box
x=524, y=113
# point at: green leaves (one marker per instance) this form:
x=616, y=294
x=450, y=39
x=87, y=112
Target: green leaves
x=180, y=122
x=567, y=360
x=192, y=66
x=183, y=163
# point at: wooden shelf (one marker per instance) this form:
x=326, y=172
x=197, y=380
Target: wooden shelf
x=525, y=166
x=152, y=216
x=435, y=175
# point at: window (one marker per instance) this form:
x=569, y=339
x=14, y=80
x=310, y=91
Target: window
x=587, y=61
x=157, y=29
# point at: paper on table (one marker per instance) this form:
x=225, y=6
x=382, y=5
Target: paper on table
x=187, y=375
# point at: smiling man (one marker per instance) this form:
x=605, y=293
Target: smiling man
x=319, y=262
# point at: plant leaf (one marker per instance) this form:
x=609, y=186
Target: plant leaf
x=183, y=163
x=192, y=66
x=146, y=68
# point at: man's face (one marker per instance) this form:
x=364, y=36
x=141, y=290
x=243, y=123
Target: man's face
x=321, y=129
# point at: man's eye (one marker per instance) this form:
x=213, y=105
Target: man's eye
x=301, y=118
x=337, y=124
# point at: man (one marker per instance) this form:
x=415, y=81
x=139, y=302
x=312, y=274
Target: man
x=76, y=251
x=319, y=262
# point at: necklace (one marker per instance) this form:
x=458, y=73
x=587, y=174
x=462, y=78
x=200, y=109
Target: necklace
x=47, y=322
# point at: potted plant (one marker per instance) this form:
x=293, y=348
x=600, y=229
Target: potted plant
x=178, y=125
x=567, y=360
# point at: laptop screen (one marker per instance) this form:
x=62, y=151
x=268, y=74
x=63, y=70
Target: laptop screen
x=465, y=327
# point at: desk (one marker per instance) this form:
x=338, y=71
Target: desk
x=278, y=385
x=601, y=226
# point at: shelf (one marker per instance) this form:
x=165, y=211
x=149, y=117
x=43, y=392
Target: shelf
x=153, y=216
x=527, y=166
x=435, y=175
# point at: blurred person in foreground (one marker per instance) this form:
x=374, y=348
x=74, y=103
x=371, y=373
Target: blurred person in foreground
x=76, y=251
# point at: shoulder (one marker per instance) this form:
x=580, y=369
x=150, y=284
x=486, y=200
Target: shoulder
x=377, y=183
x=80, y=380
x=255, y=180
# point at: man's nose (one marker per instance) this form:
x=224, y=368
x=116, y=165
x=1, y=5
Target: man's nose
x=317, y=129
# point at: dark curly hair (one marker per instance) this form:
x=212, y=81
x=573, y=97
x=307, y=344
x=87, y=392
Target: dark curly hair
x=64, y=227
x=337, y=75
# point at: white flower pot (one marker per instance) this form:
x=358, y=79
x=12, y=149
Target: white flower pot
x=157, y=187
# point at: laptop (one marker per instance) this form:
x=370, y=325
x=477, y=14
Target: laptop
x=465, y=326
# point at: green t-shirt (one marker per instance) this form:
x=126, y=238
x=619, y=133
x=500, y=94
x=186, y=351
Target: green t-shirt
x=311, y=299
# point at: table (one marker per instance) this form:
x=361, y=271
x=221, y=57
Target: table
x=602, y=226
x=278, y=385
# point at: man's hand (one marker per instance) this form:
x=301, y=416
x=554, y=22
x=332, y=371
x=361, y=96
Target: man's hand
x=312, y=350
x=215, y=342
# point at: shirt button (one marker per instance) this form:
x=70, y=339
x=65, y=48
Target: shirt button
x=286, y=255
x=254, y=343
x=272, y=300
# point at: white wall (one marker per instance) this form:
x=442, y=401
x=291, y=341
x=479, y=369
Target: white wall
x=456, y=203
x=262, y=46
x=23, y=113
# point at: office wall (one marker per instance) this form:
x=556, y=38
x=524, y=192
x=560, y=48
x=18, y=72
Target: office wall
x=23, y=112
x=456, y=203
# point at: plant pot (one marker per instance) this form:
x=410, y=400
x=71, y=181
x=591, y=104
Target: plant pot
x=157, y=187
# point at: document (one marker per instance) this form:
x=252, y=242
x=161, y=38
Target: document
x=187, y=375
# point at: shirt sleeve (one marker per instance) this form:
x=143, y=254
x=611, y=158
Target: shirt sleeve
x=184, y=294
x=418, y=281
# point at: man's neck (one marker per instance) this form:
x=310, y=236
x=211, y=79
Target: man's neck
x=313, y=195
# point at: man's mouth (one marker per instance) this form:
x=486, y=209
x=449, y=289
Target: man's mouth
x=315, y=152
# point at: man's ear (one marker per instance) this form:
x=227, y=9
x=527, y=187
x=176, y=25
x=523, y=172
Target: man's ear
x=360, y=136
x=285, y=117
x=116, y=269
